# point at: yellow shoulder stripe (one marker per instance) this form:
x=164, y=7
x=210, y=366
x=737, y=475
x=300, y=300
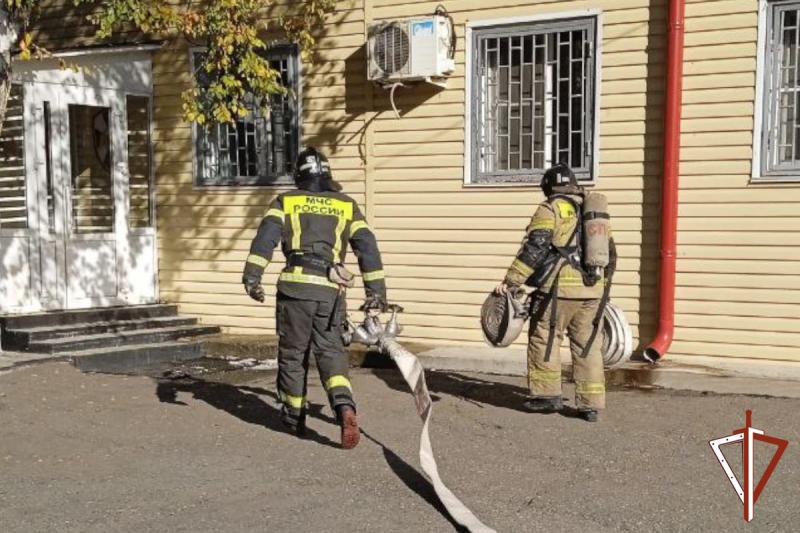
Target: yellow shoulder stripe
x=542, y=223
x=357, y=225
x=277, y=213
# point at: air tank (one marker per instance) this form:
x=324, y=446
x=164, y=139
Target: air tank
x=596, y=229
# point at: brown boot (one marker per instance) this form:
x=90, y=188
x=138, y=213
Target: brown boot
x=349, y=424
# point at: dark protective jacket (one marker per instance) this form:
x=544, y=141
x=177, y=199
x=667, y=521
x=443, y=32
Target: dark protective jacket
x=554, y=224
x=314, y=227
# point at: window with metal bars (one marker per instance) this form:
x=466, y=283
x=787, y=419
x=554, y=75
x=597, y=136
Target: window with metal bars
x=533, y=94
x=781, y=120
x=261, y=148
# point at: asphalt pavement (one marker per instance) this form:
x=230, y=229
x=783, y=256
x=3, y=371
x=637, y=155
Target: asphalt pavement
x=200, y=449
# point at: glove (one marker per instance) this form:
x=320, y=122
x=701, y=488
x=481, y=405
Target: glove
x=373, y=305
x=254, y=290
x=505, y=287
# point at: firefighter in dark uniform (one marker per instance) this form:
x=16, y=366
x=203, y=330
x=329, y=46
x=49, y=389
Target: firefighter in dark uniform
x=314, y=225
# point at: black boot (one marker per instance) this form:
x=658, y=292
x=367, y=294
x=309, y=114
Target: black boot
x=294, y=423
x=588, y=414
x=548, y=404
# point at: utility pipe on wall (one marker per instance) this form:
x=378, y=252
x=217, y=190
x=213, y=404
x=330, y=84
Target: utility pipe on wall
x=669, y=183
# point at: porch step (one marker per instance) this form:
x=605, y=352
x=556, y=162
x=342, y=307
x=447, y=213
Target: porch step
x=119, y=338
x=126, y=358
x=108, y=339
x=86, y=316
x=22, y=338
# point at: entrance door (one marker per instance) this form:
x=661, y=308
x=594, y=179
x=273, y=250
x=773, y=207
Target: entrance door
x=76, y=214
x=90, y=256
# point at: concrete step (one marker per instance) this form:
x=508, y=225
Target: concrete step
x=124, y=359
x=86, y=316
x=20, y=339
x=121, y=338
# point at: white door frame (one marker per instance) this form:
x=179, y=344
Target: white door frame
x=111, y=76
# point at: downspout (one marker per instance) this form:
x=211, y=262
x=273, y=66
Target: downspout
x=669, y=184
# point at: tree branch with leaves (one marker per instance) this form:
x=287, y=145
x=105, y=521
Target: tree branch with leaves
x=236, y=71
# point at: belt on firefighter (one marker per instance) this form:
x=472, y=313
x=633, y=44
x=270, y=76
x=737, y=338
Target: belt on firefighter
x=311, y=264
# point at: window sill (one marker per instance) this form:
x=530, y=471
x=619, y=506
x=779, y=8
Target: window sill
x=516, y=185
x=283, y=182
x=770, y=179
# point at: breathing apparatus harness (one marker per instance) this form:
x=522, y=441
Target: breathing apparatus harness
x=572, y=254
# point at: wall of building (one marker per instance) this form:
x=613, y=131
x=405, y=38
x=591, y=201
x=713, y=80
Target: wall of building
x=205, y=233
x=446, y=245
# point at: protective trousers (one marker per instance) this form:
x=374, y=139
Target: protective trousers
x=544, y=373
x=305, y=326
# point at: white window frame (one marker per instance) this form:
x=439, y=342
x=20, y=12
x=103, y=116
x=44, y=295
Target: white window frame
x=555, y=17
x=758, y=175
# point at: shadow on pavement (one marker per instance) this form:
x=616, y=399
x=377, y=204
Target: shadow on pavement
x=241, y=402
x=470, y=389
x=244, y=403
x=414, y=481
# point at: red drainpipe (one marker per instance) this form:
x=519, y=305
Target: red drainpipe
x=669, y=184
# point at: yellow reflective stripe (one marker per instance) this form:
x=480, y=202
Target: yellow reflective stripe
x=277, y=213
x=546, y=376
x=569, y=277
x=298, y=277
x=258, y=260
x=337, y=246
x=357, y=225
x=547, y=223
x=338, y=381
x=297, y=229
x=289, y=204
x=292, y=401
x=373, y=276
x=590, y=387
x=522, y=268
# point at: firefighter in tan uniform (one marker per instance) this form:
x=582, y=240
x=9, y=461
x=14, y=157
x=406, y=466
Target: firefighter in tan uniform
x=567, y=299
x=314, y=225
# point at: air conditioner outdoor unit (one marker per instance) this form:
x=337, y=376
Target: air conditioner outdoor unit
x=414, y=49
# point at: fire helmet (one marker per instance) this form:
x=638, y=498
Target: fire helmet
x=559, y=179
x=312, y=165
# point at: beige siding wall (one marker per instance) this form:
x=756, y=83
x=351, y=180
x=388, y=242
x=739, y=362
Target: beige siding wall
x=205, y=233
x=445, y=245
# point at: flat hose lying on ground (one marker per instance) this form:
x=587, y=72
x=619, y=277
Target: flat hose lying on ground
x=372, y=333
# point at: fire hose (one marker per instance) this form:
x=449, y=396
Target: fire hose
x=617, y=338
x=372, y=333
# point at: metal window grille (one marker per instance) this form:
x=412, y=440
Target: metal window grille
x=259, y=149
x=534, y=100
x=782, y=132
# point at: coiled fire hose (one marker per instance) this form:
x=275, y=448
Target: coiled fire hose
x=617, y=338
x=372, y=333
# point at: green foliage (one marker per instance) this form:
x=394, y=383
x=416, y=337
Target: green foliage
x=234, y=68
